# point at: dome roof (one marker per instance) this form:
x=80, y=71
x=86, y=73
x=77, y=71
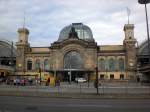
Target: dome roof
x=83, y=31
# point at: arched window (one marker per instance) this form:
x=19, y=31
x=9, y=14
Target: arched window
x=29, y=65
x=111, y=64
x=73, y=60
x=101, y=65
x=46, y=64
x=121, y=64
x=37, y=64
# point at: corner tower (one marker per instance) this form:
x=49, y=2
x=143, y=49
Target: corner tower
x=130, y=48
x=23, y=35
x=22, y=47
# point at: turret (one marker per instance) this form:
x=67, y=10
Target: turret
x=23, y=35
x=130, y=48
x=22, y=47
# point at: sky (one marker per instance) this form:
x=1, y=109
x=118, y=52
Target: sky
x=46, y=18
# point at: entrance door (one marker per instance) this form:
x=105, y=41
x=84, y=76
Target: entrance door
x=74, y=74
x=72, y=63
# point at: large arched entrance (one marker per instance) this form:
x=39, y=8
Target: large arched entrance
x=73, y=66
x=73, y=60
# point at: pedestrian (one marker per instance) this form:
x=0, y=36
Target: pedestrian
x=48, y=81
x=57, y=82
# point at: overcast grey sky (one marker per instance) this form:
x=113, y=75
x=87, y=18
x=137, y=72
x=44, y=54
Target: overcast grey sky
x=45, y=19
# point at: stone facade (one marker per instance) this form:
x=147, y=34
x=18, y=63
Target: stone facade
x=113, y=61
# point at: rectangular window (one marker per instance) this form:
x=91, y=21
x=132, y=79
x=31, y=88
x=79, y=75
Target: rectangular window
x=111, y=76
x=122, y=76
x=102, y=76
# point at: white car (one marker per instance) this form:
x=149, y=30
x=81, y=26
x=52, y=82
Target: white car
x=80, y=79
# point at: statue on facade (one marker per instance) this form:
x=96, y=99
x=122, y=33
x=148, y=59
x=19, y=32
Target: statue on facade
x=73, y=33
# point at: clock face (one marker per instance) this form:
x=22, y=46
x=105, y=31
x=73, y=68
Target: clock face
x=19, y=65
x=131, y=64
x=130, y=34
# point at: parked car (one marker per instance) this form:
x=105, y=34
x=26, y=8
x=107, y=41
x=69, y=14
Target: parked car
x=80, y=79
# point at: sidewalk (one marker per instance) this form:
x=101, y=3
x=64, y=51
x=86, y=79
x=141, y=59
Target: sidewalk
x=78, y=91
x=73, y=95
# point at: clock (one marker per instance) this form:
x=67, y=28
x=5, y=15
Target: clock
x=130, y=34
x=19, y=65
x=131, y=64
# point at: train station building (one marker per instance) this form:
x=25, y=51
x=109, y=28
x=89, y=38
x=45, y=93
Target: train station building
x=76, y=54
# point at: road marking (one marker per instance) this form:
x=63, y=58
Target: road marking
x=89, y=105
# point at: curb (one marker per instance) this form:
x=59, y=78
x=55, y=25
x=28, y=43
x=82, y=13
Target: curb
x=74, y=95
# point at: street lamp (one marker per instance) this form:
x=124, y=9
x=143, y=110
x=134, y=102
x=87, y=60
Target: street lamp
x=96, y=81
x=12, y=54
x=40, y=74
x=70, y=67
x=146, y=2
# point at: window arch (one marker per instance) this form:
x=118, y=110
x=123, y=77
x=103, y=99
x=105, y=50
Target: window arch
x=73, y=60
x=29, y=64
x=121, y=64
x=111, y=64
x=46, y=64
x=101, y=65
x=37, y=64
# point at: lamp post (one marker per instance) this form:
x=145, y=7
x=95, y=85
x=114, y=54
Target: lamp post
x=40, y=74
x=96, y=82
x=12, y=54
x=96, y=69
x=148, y=38
x=70, y=67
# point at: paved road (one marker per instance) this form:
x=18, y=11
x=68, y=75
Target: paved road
x=34, y=104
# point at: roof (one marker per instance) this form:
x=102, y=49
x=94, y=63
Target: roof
x=143, y=48
x=83, y=32
x=40, y=49
x=111, y=48
x=6, y=49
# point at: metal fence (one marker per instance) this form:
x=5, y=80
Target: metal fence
x=83, y=88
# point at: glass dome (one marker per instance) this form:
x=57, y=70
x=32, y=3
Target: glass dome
x=83, y=31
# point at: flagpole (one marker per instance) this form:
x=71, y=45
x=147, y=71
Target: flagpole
x=128, y=14
x=128, y=19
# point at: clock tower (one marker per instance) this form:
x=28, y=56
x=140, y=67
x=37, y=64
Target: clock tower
x=130, y=48
x=22, y=47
